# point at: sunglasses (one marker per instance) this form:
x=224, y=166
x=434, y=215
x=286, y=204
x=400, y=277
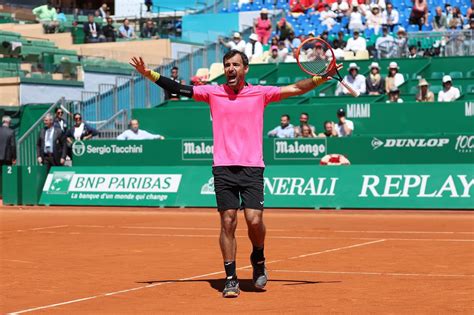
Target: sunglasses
x=77, y=118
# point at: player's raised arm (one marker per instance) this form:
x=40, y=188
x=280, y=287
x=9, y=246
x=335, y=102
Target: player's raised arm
x=164, y=82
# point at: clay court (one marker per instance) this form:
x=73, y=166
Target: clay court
x=129, y=260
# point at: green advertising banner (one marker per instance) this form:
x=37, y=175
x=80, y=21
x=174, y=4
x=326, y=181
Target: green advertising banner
x=435, y=149
x=370, y=186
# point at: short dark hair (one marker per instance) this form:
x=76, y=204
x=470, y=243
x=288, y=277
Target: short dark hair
x=286, y=115
x=327, y=122
x=174, y=68
x=306, y=114
x=58, y=109
x=77, y=114
x=232, y=53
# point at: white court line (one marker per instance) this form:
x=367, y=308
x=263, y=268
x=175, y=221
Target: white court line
x=371, y=273
x=18, y=261
x=404, y=232
x=168, y=282
x=336, y=249
x=37, y=229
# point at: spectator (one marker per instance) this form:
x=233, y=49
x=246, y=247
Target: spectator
x=237, y=43
x=355, y=19
x=394, y=95
x=285, y=130
x=282, y=50
x=338, y=52
x=340, y=8
x=92, y=31
x=293, y=42
x=384, y=44
x=7, y=143
x=134, y=133
x=354, y=79
x=374, y=18
x=394, y=79
x=306, y=132
x=284, y=29
x=390, y=17
x=440, y=23
x=329, y=130
x=274, y=57
x=375, y=83
x=424, y=94
x=103, y=11
x=449, y=92
x=419, y=13
x=148, y=4
x=125, y=31
x=327, y=17
x=457, y=19
x=292, y=57
x=51, y=147
x=413, y=52
x=59, y=121
x=61, y=17
x=80, y=130
x=402, y=41
x=356, y=43
x=47, y=16
x=298, y=7
x=253, y=49
x=109, y=30
x=149, y=31
x=304, y=121
x=175, y=77
x=263, y=27
x=341, y=43
x=470, y=26
x=344, y=127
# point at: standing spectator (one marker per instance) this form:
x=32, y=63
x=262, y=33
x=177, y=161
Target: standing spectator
x=7, y=143
x=329, y=130
x=135, y=133
x=327, y=17
x=374, y=18
x=375, y=83
x=103, y=11
x=126, y=31
x=274, y=56
x=419, y=13
x=356, y=43
x=440, y=23
x=237, y=43
x=344, y=127
x=175, y=77
x=341, y=43
x=394, y=79
x=59, y=121
x=80, y=130
x=402, y=42
x=394, y=95
x=47, y=16
x=424, y=94
x=148, y=4
x=92, y=31
x=449, y=92
x=304, y=121
x=253, y=49
x=149, y=31
x=355, y=19
x=354, y=79
x=108, y=30
x=284, y=29
x=263, y=27
x=384, y=44
x=285, y=130
x=390, y=17
x=51, y=147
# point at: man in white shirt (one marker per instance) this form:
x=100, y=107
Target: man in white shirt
x=237, y=43
x=134, y=133
x=253, y=49
x=356, y=43
x=384, y=44
x=390, y=17
x=449, y=92
x=285, y=130
x=354, y=79
x=344, y=127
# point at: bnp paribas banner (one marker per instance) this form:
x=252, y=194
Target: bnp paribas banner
x=369, y=186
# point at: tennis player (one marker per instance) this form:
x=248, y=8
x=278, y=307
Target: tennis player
x=237, y=123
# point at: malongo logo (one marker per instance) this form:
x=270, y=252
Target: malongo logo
x=409, y=143
x=301, y=149
x=197, y=149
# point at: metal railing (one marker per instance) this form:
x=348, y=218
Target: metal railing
x=444, y=43
x=113, y=126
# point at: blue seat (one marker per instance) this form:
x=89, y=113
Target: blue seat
x=456, y=74
x=437, y=75
x=412, y=28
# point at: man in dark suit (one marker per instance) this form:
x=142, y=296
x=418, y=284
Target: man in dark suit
x=51, y=145
x=92, y=31
x=7, y=143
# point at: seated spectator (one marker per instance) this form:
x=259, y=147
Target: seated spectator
x=292, y=57
x=263, y=27
x=282, y=50
x=355, y=19
x=327, y=17
x=134, y=133
x=440, y=23
x=298, y=7
x=329, y=130
x=175, y=77
x=237, y=43
x=293, y=42
x=384, y=44
x=253, y=49
x=92, y=31
x=413, y=52
x=274, y=56
x=149, y=31
x=449, y=92
x=338, y=52
x=126, y=31
x=424, y=94
x=61, y=17
x=108, y=30
x=354, y=79
x=419, y=13
x=304, y=121
x=374, y=18
x=47, y=16
x=284, y=29
x=340, y=40
x=394, y=95
x=456, y=19
x=356, y=43
x=344, y=127
x=375, y=83
x=394, y=79
x=80, y=130
x=306, y=132
x=285, y=130
x=390, y=17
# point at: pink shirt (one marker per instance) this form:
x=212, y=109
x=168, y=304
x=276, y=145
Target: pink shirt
x=237, y=121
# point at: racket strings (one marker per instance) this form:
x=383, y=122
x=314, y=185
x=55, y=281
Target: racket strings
x=315, y=57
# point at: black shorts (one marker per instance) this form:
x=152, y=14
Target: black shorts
x=238, y=187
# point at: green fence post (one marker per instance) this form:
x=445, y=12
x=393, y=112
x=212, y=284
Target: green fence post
x=11, y=180
x=32, y=181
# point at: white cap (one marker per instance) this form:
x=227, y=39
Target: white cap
x=401, y=29
x=254, y=37
x=374, y=6
x=393, y=65
x=447, y=78
x=334, y=6
x=237, y=35
x=344, y=6
x=264, y=11
x=353, y=65
x=374, y=65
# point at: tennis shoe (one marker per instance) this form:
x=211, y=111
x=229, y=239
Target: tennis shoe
x=260, y=276
x=231, y=288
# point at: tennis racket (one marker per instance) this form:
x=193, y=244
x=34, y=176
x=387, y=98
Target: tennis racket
x=316, y=57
